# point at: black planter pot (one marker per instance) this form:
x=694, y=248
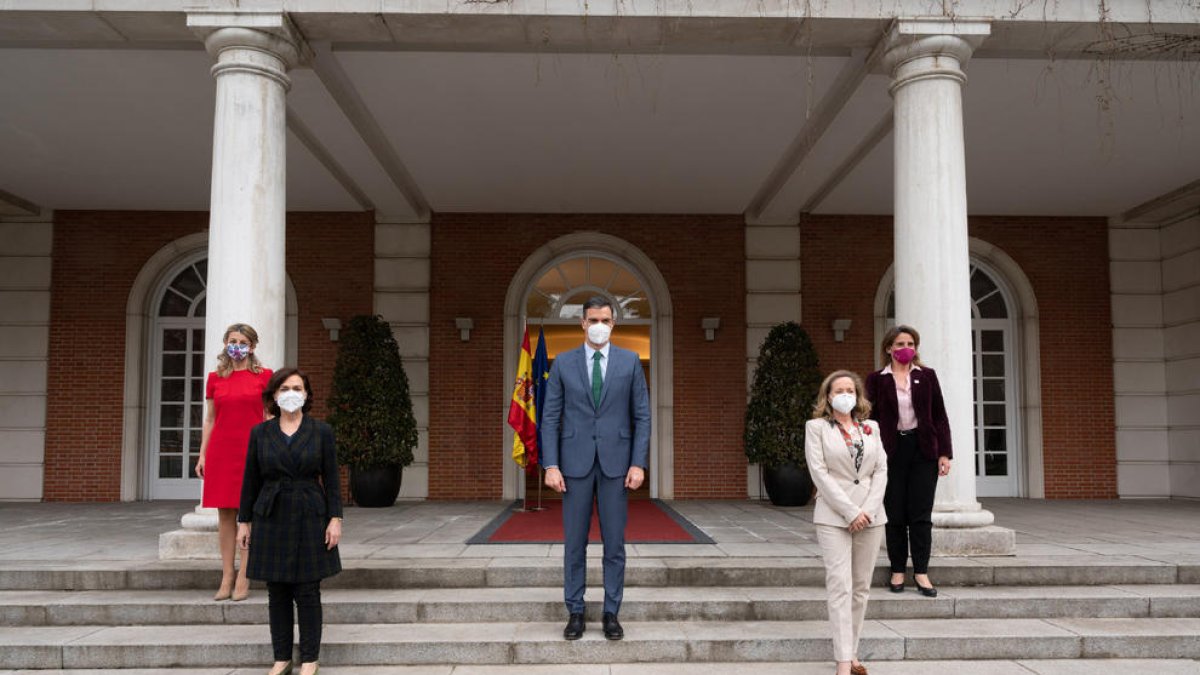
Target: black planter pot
x=788, y=485
x=376, y=487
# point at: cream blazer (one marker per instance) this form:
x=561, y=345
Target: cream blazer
x=841, y=492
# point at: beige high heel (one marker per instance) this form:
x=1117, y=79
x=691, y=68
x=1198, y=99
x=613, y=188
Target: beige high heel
x=287, y=669
x=225, y=591
x=241, y=591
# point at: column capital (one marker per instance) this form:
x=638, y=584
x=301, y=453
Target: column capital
x=931, y=39
x=269, y=32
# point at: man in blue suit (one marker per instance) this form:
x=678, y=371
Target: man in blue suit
x=596, y=445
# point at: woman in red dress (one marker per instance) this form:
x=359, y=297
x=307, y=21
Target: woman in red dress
x=235, y=405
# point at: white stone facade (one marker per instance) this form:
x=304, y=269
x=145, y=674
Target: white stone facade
x=25, y=260
x=1155, y=281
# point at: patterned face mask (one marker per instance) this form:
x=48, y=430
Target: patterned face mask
x=237, y=352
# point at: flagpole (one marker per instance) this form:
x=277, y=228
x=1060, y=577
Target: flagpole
x=541, y=482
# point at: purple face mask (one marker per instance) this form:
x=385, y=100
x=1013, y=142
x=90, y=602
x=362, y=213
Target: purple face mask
x=904, y=354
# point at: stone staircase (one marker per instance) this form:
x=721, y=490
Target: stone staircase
x=508, y=611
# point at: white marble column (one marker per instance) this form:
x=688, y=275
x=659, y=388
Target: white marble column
x=925, y=60
x=246, y=275
x=247, y=280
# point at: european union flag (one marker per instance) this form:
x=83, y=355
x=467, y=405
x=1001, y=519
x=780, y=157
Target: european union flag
x=541, y=372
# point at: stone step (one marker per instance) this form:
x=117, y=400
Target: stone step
x=722, y=603
x=646, y=642
x=975, y=667
x=509, y=572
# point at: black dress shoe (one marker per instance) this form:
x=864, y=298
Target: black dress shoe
x=927, y=591
x=575, y=626
x=896, y=588
x=612, y=627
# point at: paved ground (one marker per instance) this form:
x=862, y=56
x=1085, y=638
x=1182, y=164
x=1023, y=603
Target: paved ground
x=1164, y=530
x=1025, y=667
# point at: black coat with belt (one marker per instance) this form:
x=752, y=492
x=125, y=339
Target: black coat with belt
x=289, y=493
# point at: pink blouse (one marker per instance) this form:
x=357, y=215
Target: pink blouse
x=908, y=416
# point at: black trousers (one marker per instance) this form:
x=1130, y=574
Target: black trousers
x=908, y=500
x=307, y=600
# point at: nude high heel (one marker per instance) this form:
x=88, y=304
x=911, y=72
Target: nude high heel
x=225, y=591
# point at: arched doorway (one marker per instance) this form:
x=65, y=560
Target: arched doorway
x=177, y=372
x=549, y=290
x=165, y=369
x=1006, y=374
x=554, y=306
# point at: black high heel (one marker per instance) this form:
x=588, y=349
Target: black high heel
x=927, y=591
x=896, y=588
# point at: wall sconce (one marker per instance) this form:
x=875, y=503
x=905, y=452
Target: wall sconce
x=333, y=325
x=464, y=326
x=840, y=326
x=710, y=324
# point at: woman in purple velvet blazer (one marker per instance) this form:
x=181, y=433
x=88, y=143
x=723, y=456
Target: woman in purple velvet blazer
x=906, y=401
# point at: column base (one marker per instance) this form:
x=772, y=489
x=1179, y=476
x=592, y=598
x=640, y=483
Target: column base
x=974, y=541
x=197, y=540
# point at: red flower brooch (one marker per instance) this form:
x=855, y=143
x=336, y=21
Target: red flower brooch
x=866, y=429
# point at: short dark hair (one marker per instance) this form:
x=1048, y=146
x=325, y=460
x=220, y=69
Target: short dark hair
x=277, y=381
x=598, y=302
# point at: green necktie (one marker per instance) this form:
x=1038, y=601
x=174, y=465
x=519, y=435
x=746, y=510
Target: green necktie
x=597, y=380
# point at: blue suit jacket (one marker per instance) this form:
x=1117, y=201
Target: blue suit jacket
x=574, y=432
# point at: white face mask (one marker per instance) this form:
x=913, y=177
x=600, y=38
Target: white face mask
x=844, y=403
x=290, y=401
x=598, y=333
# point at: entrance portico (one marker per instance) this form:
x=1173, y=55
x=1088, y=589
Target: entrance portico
x=409, y=113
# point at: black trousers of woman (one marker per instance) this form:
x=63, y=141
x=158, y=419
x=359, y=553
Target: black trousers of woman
x=908, y=500
x=307, y=599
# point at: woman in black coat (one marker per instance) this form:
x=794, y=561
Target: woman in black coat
x=291, y=515
x=906, y=401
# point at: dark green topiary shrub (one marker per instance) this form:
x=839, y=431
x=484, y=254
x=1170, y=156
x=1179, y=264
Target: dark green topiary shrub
x=786, y=382
x=370, y=407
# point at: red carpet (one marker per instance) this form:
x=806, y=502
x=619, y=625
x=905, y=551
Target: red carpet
x=649, y=522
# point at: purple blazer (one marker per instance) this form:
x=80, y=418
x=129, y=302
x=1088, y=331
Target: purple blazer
x=933, y=427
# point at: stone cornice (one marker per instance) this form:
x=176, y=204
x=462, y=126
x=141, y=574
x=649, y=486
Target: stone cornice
x=272, y=33
x=912, y=39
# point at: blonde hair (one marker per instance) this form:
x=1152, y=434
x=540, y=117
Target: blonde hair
x=224, y=363
x=890, y=337
x=822, y=409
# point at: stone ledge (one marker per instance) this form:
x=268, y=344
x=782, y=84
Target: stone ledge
x=188, y=544
x=974, y=541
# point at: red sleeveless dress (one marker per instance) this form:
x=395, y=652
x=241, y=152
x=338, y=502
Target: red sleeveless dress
x=237, y=402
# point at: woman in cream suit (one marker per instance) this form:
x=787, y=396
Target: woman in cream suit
x=849, y=468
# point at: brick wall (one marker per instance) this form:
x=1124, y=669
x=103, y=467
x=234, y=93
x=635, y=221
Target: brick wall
x=474, y=258
x=1066, y=261
x=97, y=256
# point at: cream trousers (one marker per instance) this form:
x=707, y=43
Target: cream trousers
x=849, y=562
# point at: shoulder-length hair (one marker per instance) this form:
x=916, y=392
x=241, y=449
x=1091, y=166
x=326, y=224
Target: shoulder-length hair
x=822, y=409
x=890, y=337
x=277, y=379
x=224, y=363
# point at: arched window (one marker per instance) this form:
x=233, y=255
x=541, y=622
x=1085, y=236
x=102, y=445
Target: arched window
x=555, y=302
x=994, y=380
x=177, y=383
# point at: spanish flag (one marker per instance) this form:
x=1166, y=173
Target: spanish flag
x=522, y=412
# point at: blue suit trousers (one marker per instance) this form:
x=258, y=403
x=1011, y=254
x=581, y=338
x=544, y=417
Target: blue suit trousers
x=611, y=500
